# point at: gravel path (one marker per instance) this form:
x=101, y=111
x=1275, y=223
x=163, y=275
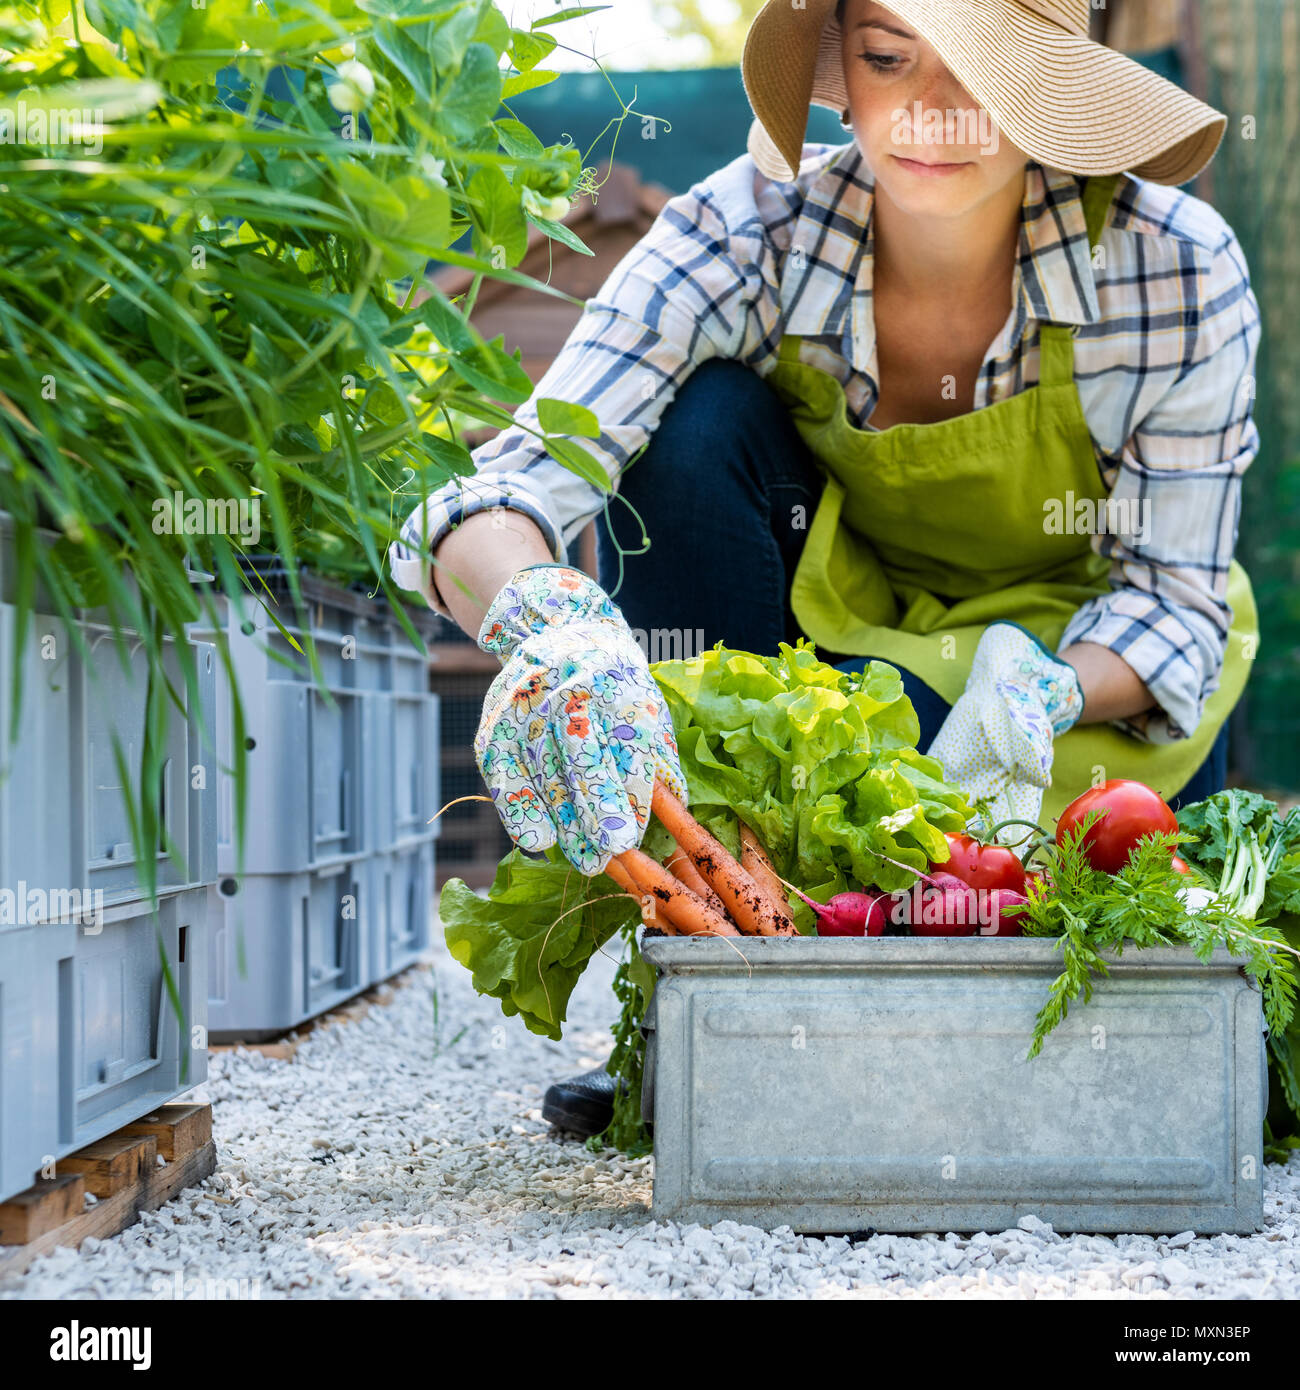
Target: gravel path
x=404, y=1155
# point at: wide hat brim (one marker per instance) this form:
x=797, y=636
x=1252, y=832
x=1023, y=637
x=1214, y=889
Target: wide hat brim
x=1066, y=101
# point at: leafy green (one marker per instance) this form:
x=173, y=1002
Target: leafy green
x=634, y=983
x=820, y=763
x=530, y=939
x=1148, y=903
x=1240, y=841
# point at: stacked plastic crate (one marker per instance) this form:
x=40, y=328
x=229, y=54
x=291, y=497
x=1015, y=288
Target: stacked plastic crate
x=336, y=883
x=103, y=994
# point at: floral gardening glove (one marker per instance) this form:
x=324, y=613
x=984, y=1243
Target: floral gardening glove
x=997, y=741
x=574, y=729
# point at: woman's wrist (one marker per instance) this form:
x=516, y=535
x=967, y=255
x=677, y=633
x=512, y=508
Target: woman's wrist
x=1112, y=689
x=478, y=559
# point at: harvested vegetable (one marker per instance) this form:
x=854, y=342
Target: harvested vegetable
x=1129, y=812
x=746, y=902
x=1004, y=908
x=821, y=764
x=683, y=911
x=1244, y=846
x=679, y=865
x=943, y=905
x=624, y=879
x=982, y=866
x=1147, y=903
x=754, y=861
x=850, y=914
x=1240, y=842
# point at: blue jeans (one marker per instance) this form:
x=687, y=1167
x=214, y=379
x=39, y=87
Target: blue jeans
x=726, y=489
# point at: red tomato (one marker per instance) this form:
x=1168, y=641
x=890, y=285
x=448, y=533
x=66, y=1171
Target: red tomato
x=983, y=866
x=1180, y=865
x=1130, y=811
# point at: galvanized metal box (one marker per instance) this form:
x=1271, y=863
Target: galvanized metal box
x=845, y=1084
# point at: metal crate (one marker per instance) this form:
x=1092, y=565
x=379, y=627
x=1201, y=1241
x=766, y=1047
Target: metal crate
x=844, y=1084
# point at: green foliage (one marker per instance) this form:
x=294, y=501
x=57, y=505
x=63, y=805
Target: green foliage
x=1242, y=843
x=820, y=763
x=216, y=292
x=528, y=942
x=1148, y=903
x=634, y=983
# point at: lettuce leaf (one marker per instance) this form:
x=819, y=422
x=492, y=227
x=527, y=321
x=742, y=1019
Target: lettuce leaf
x=528, y=942
x=820, y=763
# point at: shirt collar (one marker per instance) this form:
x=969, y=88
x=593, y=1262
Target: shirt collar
x=827, y=286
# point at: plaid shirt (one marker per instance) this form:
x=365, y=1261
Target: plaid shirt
x=1167, y=333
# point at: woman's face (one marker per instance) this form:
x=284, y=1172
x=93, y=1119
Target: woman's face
x=932, y=149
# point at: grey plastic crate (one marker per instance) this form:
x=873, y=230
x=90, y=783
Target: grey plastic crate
x=324, y=781
x=286, y=947
x=31, y=1064
x=91, y=1038
x=403, y=768
x=842, y=1084
x=401, y=902
x=131, y=1052
x=63, y=822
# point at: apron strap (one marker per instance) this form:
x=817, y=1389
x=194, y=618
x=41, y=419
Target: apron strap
x=1056, y=340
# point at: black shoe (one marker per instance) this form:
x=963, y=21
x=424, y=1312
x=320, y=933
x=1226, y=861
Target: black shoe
x=582, y=1105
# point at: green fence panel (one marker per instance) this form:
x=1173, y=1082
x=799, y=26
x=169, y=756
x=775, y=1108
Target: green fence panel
x=1249, y=55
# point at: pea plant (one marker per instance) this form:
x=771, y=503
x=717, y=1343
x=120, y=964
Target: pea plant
x=216, y=218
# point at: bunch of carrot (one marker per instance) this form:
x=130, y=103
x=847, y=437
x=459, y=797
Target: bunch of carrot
x=701, y=890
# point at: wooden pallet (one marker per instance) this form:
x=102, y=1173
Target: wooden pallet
x=123, y=1173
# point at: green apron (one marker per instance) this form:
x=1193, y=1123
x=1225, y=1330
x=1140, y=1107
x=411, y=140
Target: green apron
x=925, y=534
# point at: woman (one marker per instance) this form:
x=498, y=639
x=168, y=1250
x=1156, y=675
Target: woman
x=958, y=396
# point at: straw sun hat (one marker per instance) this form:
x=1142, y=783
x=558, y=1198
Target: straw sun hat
x=1064, y=100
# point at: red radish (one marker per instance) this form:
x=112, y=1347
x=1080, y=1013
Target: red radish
x=996, y=903
x=1180, y=865
x=849, y=914
x=944, y=906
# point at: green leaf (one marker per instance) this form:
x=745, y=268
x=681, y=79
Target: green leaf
x=578, y=461
x=567, y=417
x=526, y=81
x=494, y=372
x=574, y=12
x=500, y=231
x=528, y=49
x=516, y=139
x=472, y=97
x=557, y=231
x=529, y=940
x=447, y=326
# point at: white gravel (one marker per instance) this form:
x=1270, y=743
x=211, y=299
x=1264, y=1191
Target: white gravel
x=405, y=1156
